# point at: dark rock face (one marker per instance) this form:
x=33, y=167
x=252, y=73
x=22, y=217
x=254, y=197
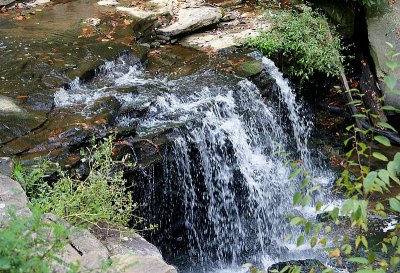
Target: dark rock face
x=306, y=265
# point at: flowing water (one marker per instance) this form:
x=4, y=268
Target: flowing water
x=222, y=188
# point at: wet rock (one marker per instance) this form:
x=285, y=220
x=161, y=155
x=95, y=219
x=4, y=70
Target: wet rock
x=12, y=196
x=306, y=265
x=86, y=70
x=383, y=27
x=106, y=110
x=6, y=166
x=17, y=124
x=250, y=68
x=191, y=19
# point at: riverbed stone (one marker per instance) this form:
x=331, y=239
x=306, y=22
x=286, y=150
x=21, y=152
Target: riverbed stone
x=384, y=27
x=191, y=19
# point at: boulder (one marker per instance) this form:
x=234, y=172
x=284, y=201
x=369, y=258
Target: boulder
x=6, y=165
x=12, y=197
x=383, y=27
x=191, y=19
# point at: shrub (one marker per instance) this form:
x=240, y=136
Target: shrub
x=102, y=196
x=370, y=194
x=25, y=245
x=306, y=41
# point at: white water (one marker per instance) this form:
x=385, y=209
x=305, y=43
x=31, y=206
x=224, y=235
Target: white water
x=226, y=169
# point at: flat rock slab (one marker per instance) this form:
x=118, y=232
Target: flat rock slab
x=152, y=8
x=383, y=27
x=192, y=19
x=216, y=41
x=228, y=34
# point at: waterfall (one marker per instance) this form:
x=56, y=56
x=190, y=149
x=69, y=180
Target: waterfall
x=229, y=159
x=221, y=193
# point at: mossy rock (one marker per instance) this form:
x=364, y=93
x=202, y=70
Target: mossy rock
x=250, y=68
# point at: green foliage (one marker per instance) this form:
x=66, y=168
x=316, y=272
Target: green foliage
x=102, y=196
x=305, y=40
x=29, y=245
x=369, y=192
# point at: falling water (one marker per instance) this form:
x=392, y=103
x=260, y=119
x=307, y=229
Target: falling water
x=224, y=179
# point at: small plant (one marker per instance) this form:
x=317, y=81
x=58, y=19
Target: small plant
x=369, y=192
x=305, y=40
x=29, y=245
x=102, y=196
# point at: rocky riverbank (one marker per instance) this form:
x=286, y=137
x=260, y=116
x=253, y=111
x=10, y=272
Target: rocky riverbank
x=129, y=251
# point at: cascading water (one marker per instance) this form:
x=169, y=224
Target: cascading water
x=224, y=176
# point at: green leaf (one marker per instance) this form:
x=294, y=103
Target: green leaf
x=366, y=271
x=390, y=81
x=294, y=173
x=384, y=248
x=379, y=156
x=392, y=65
x=359, y=116
x=246, y=265
x=383, y=140
x=308, y=228
x=284, y=269
x=300, y=240
x=313, y=241
x=296, y=220
x=369, y=181
x=359, y=260
x=394, y=204
x=297, y=198
x=318, y=206
x=389, y=108
x=5, y=263
x=364, y=241
x=384, y=175
x=387, y=126
x=394, y=261
x=306, y=200
x=305, y=182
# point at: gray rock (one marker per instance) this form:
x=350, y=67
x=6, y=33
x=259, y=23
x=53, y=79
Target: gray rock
x=13, y=197
x=141, y=264
x=382, y=28
x=85, y=243
x=6, y=2
x=191, y=19
x=6, y=165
